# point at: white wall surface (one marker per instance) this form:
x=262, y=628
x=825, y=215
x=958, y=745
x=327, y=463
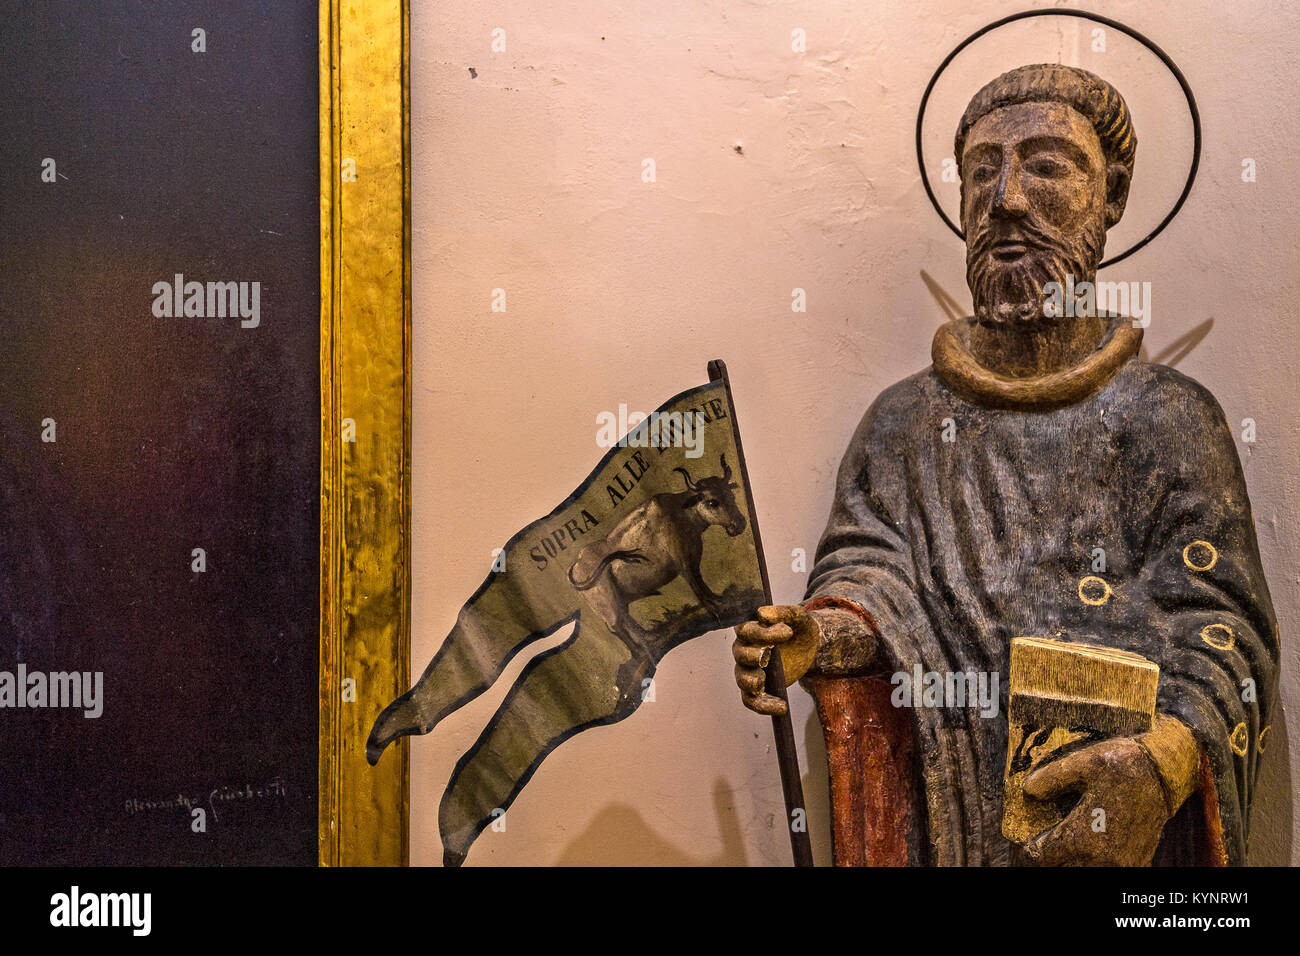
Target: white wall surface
x=777, y=170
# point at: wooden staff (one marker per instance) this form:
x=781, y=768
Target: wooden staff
x=787, y=757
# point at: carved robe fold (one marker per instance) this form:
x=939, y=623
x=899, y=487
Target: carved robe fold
x=1109, y=509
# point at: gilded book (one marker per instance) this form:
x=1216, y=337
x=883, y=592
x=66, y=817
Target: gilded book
x=1063, y=696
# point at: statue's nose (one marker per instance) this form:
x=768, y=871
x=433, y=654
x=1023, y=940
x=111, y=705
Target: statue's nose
x=1009, y=199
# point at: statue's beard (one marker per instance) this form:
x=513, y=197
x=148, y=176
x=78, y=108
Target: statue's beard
x=1015, y=291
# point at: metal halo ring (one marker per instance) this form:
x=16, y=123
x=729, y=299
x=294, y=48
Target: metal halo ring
x=1096, y=18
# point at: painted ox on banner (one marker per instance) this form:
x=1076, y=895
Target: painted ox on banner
x=660, y=540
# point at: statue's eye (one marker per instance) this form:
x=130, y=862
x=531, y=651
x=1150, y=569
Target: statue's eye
x=713, y=502
x=1048, y=167
x=983, y=173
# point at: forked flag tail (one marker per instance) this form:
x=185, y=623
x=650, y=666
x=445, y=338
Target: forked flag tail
x=656, y=547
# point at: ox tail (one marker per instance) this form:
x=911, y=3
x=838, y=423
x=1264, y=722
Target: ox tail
x=635, y=557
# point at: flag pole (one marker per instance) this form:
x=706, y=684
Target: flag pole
x=787, y=757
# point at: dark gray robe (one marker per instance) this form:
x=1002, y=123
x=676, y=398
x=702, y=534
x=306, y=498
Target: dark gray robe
x=955, y=547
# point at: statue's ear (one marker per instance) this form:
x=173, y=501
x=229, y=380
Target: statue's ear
x=1117, y=182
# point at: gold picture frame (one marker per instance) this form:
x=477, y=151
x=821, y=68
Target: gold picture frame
x=365, y=364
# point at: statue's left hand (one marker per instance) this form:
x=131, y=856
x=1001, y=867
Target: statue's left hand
x=1120, y=777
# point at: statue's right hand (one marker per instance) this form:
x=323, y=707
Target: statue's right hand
x=785, y=625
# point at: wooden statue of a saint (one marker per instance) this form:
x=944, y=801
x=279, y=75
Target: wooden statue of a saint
x=1037, y=481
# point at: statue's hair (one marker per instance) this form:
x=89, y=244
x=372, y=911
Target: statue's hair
x=1098, y=101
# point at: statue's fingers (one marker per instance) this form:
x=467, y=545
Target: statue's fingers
x=778, y=633
x=1065, y=844
x=752, y=632
x=765, y=704
x=748, y=655
x=1046, y=849
x=781, y=614
x=1059, y=776
x=750, y=680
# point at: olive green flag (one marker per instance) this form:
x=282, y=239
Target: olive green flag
x=656, y=547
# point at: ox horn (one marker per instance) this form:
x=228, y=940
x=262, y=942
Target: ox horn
x=726, y=469
x=686, y=475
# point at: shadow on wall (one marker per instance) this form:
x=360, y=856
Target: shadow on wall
x=1179, y=348
x=817, y=790
x=1272, y=812
x=622, y=825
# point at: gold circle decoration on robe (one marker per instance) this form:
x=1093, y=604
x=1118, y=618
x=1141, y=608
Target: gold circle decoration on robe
x=1096, y=599
x=1214, y=640
x=1214, y=556
x=1240, y=739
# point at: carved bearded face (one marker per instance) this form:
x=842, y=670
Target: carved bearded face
x=1035, y=208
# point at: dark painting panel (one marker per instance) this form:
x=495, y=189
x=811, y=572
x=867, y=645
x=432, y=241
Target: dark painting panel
x=159, y=454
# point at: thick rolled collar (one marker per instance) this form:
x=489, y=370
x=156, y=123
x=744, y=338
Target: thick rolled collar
x=957, y=369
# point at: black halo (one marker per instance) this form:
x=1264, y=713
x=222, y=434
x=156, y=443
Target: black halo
x=1128, y=31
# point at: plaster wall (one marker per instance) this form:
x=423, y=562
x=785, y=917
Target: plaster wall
x=778, y=170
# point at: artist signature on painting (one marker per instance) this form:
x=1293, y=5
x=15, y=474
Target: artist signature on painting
x=217, y=797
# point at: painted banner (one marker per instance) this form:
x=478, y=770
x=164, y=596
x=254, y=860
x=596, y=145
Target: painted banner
x=655, y=548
